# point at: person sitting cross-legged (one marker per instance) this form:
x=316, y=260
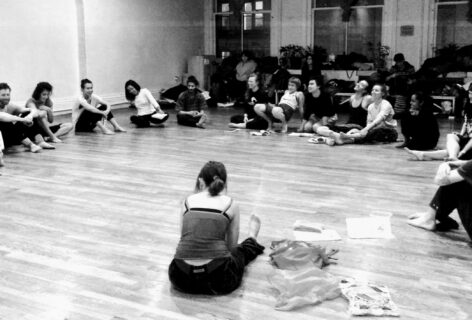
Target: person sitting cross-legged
x=290, y=101
x=191, y=106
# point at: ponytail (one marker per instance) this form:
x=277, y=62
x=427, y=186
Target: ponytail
x=216, y=186
x=213, y=175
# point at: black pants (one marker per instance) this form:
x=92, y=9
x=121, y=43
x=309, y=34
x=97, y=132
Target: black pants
x=30, y=131
x=418, y=136
x=454, y=196
x=187, y=120
x=220, y=276
x=257, y=123
x=13, y=134
x=146, y=120
x=88, y=120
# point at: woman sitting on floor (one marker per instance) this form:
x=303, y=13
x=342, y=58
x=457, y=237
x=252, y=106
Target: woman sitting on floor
x=149, y=111
x=41, y=101
x=254, y=95
x=458, y=145
x=89, y=110
x=380, y=127
x=290, y=101
x=208, y=259
x=191, y=106
x=420, y=127
x=455, y=181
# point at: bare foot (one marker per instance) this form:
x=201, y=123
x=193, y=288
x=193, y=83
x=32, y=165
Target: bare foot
x=254, y=226
x=34, y=148
x=108, y=132
x=284, y=128
x=417, y=154
x=45, y=145
x=55, y=140
x=119, y=129
x=424, y=221
x=200, y=125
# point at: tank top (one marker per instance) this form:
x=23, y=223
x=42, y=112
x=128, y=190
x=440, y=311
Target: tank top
x=357, y=115
x=203, y=233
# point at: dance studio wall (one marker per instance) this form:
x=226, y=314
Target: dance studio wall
x=108, y=41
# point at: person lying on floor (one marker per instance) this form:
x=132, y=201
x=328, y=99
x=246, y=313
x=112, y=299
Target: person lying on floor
x=254, y=94
x=89, y=110
x=458, y=145
x=208, y=259
x=149, y=111
x=191, y=106
x=41, y=101
x=14, y=129
x=290, y=101
x=455, y=189
x=380, y=127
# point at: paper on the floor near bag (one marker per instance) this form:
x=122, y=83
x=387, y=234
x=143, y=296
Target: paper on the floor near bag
x=369, y=228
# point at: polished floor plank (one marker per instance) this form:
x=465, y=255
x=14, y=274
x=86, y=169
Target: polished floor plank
x=89, y=229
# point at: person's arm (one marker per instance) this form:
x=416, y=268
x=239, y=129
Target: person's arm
x=103, y=102
x=445, y=176
x=301, y=102
x=233, y=229
x=87, y=106
x=152, y=101
x=202, y=105
x=180, y=104
x=383, y=114
x=366, y=102
x=6, y=117
x=464, y=128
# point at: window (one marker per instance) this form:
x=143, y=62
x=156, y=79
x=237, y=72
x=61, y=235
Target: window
x=452, y=26
x=242, y=25
x=361, y=34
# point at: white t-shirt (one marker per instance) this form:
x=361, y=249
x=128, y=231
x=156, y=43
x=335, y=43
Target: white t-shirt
x=383, y=110
x=78, y=108
x=145, y=102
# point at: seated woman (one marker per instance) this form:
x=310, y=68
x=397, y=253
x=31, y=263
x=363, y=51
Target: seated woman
x=208, y=259
x=89, y=110
x=380, y=127
x=455, y=187
x=318, y=112
x=254, y=95
x=358, y=104
x=14, y=129
x=420, y=127
x=311, y=69
x=191, y=105
x=458, y=145
x=42, y=102
x=290, y=101
x=149, y=111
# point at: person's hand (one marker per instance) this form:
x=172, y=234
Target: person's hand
x=195, y=113
x=28, y=121
x=364, y=132
x=441, y=177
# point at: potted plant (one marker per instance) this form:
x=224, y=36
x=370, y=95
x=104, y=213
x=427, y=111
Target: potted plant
x=294, y=55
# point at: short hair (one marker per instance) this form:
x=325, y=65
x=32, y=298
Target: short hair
x=248, y=54
x=399, y=57
x=134, y=84
x=40, y=87
x=4, y=86
x=83, y=82
x=317, y=79
x=295, y=81
x=383, y=88
x=193, y=80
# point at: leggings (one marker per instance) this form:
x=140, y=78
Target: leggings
x=219, y=276
x=88, y=120
x=146, y=120
x=188, y=120
x=13, y=134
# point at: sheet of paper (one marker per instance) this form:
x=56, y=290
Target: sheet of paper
x=369, y=228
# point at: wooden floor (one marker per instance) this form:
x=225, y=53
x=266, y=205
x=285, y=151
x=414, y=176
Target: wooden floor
x=88, y=230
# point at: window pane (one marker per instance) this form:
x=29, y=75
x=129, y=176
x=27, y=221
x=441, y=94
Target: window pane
x=338, y=3
x=364, y=31
x=329, y=30
x=258, y=39
x=225, y=7
x=248, y=6
x=259, y=5
x=259, y=20
x=247, y=21
x=452, y=26
x=228, y=34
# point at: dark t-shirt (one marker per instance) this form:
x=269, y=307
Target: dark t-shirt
x=466, y=171
x=251, y=99
x=320, y=106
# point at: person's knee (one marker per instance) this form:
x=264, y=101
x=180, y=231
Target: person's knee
x=260, y=108
x=278, y=113
x=308, y=127
x=452, y=137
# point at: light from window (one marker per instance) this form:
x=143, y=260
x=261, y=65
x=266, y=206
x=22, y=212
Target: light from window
x=248, y=6
x=247, y=24
x=225, y=7
x=224, y=22
x=259, y=5
x=258, y=20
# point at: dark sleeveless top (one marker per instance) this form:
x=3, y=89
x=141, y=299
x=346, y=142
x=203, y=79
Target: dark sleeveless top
x=203, y=233
x=357, y=115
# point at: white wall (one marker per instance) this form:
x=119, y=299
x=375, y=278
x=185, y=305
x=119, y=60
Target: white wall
x=38, y=44
x=113, y=41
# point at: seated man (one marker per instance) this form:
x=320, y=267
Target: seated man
x=290, y=101
x=190, y=106
x=318, y=113
x=455, y=187
x=15, y=129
